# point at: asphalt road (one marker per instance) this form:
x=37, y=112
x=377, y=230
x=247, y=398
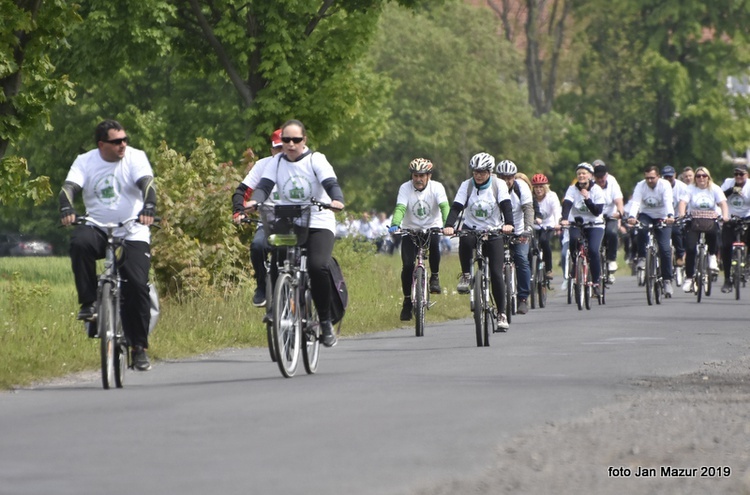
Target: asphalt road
x=387, y=413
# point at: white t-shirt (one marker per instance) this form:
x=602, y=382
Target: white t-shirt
x=517, y=203
x=299, y=182
x=703, y=200
x=612, y=191
x=110, y=192
x=481, y=209
x=550, y=210
x=738, y=204
x=678, y=192
x=422, y=207
x=580, y=209
x=656, y=203
x=256, y=174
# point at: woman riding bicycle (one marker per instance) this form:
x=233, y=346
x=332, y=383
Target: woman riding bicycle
x=302, y=175
x=546, y=221
x=701, y=202
x=585, y=199
x=421, y=204
x=486, y=206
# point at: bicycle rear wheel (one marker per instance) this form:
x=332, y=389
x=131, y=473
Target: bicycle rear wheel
x=311, y=335
x=419, y=290
x=106, y=329
x=479, y=304
x=510, y=288
x=700, y=275
x=709, y=277
x=541, y=285
x=286, y=325
x=121, y=352
x=269, y=325
x=533, y=293
x=580, y=282
x=738, y=259
x=588, y=287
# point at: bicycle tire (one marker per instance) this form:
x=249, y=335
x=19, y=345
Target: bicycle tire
x=738, y=257
x=479, y=304
x=679, y=275
x=311, y=334
x=533, y=281
x=509, y=288
x=286, y=325
x=269, y=325
x=121, y=353
x=488, y=325
x=106, y=329
x=418, y=299
x=698, y=277
x=650, y=277
x=542, y=286
x=580, y=280
x=709, y=278
x=588, y=286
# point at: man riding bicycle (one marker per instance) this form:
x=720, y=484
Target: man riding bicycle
x=652, y=203
x=485, y=206
x=737, y=191
x=421, y=204
x=613, y=211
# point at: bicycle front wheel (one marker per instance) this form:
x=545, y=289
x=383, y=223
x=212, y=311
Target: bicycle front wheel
x=286, y=325
x=510, y=291
x=738, y=260
x=419, y=289
x=700, y=274
x=479, y=305
x=121, y=352
x=650, y=277
x=533, y=303
x=106, y=329
x=580, y=282
x=311, y=349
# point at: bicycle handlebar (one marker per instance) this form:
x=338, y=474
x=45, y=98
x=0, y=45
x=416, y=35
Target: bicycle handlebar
x=85, y=219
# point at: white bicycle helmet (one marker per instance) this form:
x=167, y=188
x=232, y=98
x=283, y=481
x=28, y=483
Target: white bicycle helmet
x=482, y=161
x=585, y=166
x=420, y=166
x=506, y=167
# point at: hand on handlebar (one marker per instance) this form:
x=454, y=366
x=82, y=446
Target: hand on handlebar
x=507, y=229
x=448, y=231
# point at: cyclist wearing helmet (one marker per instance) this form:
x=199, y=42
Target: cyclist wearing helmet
x=421, y=204
x=737, y=191
x=484, y=205
x=549, y=213
x=522, y=204
x=585, y=199
x=613, y=211
x=679, y=189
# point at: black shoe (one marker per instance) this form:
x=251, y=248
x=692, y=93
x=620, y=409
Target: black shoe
x=406, y=310
x=523, y=307
x=91, y=329
x=259, y=298
x=87, y=312
x=435, y=284
x=727, y=288
x=140, y=359
x=327, y=337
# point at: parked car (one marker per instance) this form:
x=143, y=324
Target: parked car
x=21, y=245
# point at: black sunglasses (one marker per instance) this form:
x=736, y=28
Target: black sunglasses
x=739, y=174
x=295, y=140
x=701, y=176
x=117, y=141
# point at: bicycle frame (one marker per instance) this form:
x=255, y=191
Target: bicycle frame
x=582, y=283
x=420, y=295
x=739, y=268
x=509, y=276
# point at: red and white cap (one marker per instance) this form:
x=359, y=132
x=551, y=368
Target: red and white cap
x=276, y=138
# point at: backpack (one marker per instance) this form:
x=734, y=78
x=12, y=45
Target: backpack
x=340, y=298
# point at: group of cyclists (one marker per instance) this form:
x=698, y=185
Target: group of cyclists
x=498, y=197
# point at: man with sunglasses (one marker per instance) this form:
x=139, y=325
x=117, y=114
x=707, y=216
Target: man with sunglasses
x=737, y=191
x=117, y=184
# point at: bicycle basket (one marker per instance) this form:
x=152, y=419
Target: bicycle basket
x=285, y=225
x=703, y=221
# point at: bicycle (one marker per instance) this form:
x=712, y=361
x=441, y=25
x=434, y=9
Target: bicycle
x=114, y=347
x=654, y=281
x=739, y=271
x=582, y=283
x=539, y=282
x=509, y=275
x=420, y=295
x=607, y=277
x=702, y=276
x=482, y=306
x=294, y=315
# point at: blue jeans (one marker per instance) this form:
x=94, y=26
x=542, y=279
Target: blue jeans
x=663, y=237
x=594, y=236
x=523, y=270
x=259, y=250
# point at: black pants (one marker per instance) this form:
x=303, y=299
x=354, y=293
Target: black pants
x=495, y=252
x=409, y=257
x=88, y=244
x=545, y=247
x=319, y=250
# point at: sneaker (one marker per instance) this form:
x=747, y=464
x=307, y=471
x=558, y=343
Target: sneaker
x=406, y=310
x=595, y=291
x=641, y=265
x=259, y=298
x=564, y=285
x=713, y=265
x=523, y=307
x=327, y=337
x=502, y=322
x=435, y=284
x=612, y=266
x=549, y=276
x=727, y=287
x=688, y=285
x=87, y=312
x=140, y=359
x=463, y=283
x=680, y=261
x=668, y=290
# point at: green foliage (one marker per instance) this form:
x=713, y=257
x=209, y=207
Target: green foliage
x=15, y=185
x=197, y=251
